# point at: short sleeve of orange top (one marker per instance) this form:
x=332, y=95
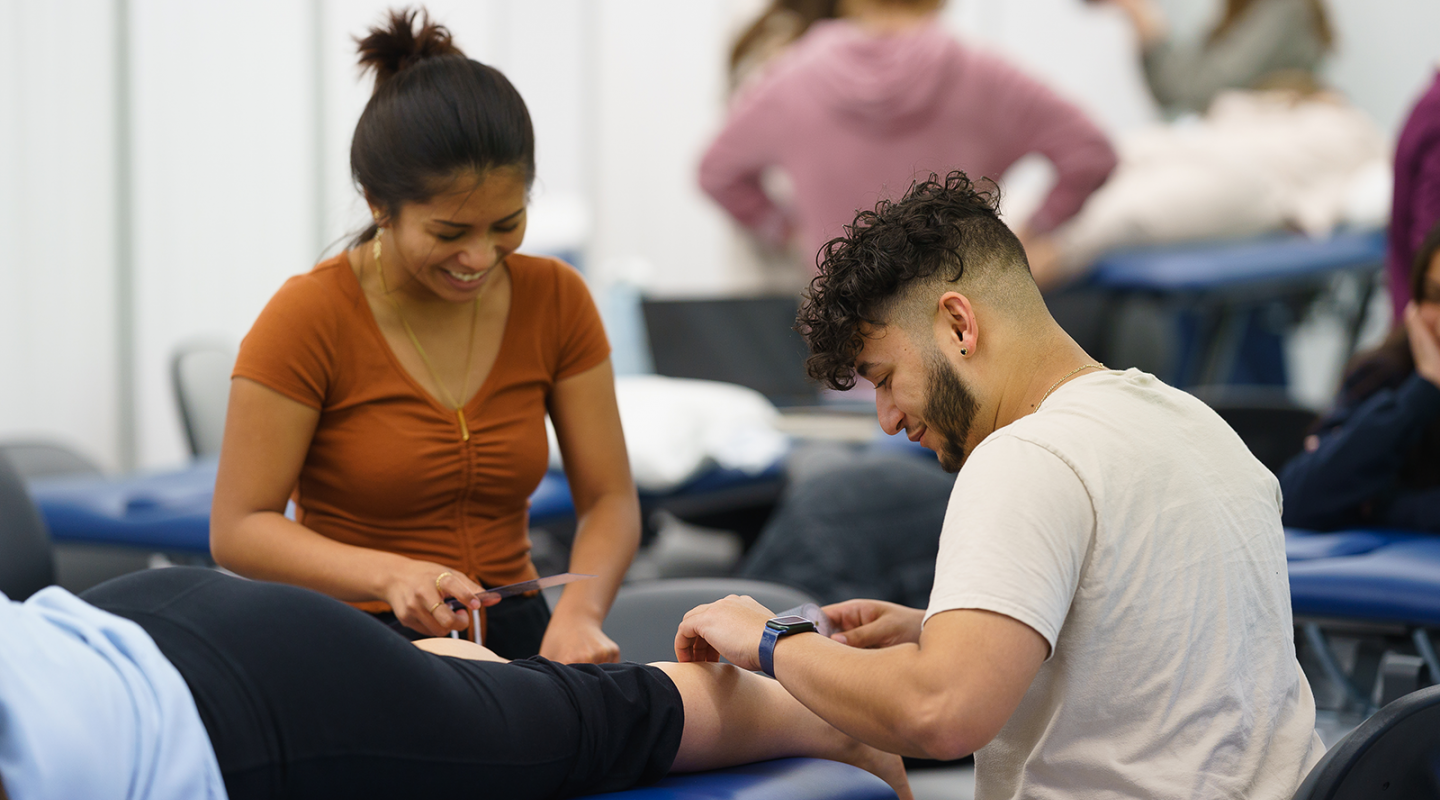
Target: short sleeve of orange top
x=386, y=468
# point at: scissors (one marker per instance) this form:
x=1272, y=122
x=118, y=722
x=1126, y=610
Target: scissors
x=510, y=590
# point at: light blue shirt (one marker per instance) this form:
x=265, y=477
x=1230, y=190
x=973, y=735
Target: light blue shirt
x=91, y=710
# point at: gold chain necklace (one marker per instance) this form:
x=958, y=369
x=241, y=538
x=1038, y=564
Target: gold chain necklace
x=1067, y=377
x=415, y=340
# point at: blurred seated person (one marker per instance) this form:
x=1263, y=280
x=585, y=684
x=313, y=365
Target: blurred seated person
x=1257, y=162
x=1258, y=44
x=855, y=108
x=1375, y=458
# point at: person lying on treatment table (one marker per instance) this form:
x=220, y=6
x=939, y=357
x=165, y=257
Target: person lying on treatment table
x=1111, y=613
x=189, y=684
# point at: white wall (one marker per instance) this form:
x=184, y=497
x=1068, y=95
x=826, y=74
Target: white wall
x=224, y=192
x=1085, y=51
x=57, y=235
x=1386, y=54
x=659, y=86
x=241, y=121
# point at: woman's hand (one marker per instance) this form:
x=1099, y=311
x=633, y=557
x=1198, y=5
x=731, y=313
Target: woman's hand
x=573, y=640
x=417, y=594
x=1424, y=337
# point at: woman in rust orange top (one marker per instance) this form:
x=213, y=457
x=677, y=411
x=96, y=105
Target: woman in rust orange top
x=398, y=391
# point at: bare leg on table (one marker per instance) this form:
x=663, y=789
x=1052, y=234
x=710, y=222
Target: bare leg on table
x=735, y=717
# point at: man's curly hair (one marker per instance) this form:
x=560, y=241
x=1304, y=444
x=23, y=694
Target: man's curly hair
x=941, y=230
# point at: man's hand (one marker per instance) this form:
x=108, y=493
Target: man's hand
x=730, y=627
x=874, y=623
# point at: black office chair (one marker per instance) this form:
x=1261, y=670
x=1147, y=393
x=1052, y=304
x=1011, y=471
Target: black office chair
x=645, y=614
x=1395, y=753
x=41, y=459
x=26, y=565
x=1270, y=424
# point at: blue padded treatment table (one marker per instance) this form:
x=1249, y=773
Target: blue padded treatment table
x=551, y=502
x=167, y=511
x=1246, y=265
x=1303, y=545
x=1386, y=582
x=784, y=779
x=170, y=511
x=1219, y=288
x=1398, y=582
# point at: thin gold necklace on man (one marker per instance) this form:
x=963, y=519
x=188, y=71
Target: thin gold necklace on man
x=1072, y=373
x=415, y=340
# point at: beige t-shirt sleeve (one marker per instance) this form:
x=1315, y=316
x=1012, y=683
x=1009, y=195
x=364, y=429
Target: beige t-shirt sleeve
x=1015, y=538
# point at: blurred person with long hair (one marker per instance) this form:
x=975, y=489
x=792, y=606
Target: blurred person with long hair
x=1375, y=458
x=777, y=27
x=1257, y=44
x=854, y=109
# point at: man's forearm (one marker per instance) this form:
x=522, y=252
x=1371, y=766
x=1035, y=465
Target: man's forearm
x=944, y=698
x=877, y=696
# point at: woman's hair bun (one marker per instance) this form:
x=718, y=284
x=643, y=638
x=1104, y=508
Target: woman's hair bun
x=395, y=44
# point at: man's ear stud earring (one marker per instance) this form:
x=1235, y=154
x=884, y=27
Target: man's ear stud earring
x=964, y=352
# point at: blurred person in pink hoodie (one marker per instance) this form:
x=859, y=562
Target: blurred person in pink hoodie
x=855, y=108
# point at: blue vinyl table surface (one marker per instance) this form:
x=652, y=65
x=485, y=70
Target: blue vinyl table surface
x=170, y=511
x=1208, y=265
x=1395, y=581
x=783, y=779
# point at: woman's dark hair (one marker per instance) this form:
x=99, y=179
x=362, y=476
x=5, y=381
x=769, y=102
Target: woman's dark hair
x=434, y=114
x=1392, y=361
x=780, y=24
x=942, y=228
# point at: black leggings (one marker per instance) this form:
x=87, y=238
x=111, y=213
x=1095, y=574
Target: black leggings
x=304, y=696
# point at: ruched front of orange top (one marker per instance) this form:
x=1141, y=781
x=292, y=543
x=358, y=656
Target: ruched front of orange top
x=386, y=468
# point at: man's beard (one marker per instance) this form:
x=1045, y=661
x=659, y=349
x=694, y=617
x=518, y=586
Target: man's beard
x=949, y=410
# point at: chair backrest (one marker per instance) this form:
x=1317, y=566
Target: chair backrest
x=1270, y=424
x=47, y=460
x=200, y=373
x=645, y=615
x=26, y=565
x=1395, y=753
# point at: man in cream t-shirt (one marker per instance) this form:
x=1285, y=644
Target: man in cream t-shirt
x=1153, y=564
x=1111, y=610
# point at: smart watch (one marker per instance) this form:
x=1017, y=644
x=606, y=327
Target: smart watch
x=775, y=628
